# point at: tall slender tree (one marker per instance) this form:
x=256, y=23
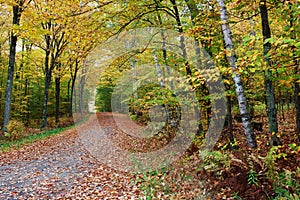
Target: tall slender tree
x=296, y=68
x=55, y=44
x=242, y=101
x=57, y=91
x=17, y=12
x=270, y=94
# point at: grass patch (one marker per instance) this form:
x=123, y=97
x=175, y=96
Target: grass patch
x=5, y=145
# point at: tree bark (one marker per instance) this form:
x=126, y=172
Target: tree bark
x=242, y=101
x=73, y=80
x=55, y=44
x=296, y=73
x=270, y=97
x=17, y=11
x=81, y=90
x=229, y=118
x=180, y=30
x=69, y=94
x=296, y=79
x=297, y=102
x=26, y=93
x=47, y=82
x=57, y=95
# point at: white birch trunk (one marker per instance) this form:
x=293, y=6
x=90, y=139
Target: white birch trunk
x=251, y=141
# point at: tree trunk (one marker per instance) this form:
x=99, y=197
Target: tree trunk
x=242, y=101
x=47, y=81
x=57, y=93
x=73, y=80
x=229, y=118
x=270, y=97
x=57, y=96
x=17, y=10
x=26, y=93
x=296, y=74
x=180, y=30
x=81, y=89
x=297, y=102
x=69, y=94
x=2, y=84
x=297, y=93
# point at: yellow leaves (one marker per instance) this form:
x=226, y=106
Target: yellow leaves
x=223, y=22
x=252, y=70
x=229, y=52
x=226, y=81
x=262, y=3
x=225, y=70
x=9, y=2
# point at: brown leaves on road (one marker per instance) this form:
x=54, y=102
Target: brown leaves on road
x=59, y=168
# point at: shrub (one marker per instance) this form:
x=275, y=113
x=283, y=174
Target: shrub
x=215, y=161
x=15, y=130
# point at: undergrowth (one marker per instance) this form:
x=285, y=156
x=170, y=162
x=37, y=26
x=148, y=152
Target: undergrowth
x=16, y=136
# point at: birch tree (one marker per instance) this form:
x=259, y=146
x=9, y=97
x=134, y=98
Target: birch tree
x=231, y=57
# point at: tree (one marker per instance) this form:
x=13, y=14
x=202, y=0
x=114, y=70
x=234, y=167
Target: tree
x=270, y=94
x=18, y=8
x=242, y=101
x=55, y=44
x=187, y=66
x=293, y=14
x=59, y=28
x=4, y=37
x=57, y=91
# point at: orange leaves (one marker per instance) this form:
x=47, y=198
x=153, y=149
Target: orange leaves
x=286, y=83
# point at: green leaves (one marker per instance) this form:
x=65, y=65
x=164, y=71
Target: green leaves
x=252, y=177
x=269, y=40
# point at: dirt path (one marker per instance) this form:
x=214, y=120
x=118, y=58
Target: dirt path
x=60, y=168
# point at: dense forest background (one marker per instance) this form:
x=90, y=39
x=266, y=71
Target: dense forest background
x=44, y=44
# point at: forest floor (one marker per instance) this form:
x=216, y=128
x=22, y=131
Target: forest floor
x=61, y=168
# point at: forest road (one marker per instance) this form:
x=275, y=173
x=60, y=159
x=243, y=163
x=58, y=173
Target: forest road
x=61, y=168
